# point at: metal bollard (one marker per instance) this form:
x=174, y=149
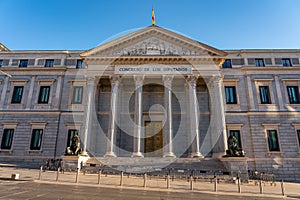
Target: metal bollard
x=282, y=188
x=215, y=184
x=77, y=175
x=260, y=187
x=99, y=176
x=57, y=173
x=40, y=173
x=168, y=181
x=121, y=179
x=191, y=183
x=239, y=185
x=145, y=180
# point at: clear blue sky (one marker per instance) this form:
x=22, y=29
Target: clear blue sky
x=224, y=24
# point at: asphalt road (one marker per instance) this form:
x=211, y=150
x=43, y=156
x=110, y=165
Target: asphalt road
x=20, y=190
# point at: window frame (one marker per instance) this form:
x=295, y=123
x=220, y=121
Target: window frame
x=227, y=64
x=231, y=95
x=14, y=93
x=266, y=95
x=74, y=83
x=33, y=146
x=13, y=83
x=8, y=125
x=296, y=91
x=44, y=82
x=81, y=65
x=269, y=83
x=22, y=63
x=296, y=129
x=236, y=127
x=37, y=126
x=259, y=62
x=272, y=127
x=73, y=94
x=69, y=138
x=284, y=62
x=40, y=94
x=71, y=126
x=1, y=63
x=49, y=63
x=5, y=132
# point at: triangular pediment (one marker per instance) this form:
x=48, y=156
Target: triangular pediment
x=3, y=47
x=153, y=41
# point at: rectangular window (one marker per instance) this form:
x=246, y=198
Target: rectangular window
x=273, y=140
x=286, y=62
x=23, y=63
x=7, y=138
x=17, y=94
x=79, y=64
x=71, y=134
x=230, y=95
x=49, y=63
x=293, y=93
x=259, y=63
x=36, y=139
x=227, y=64
x=44, y=94
x=1, y=63
x=77, y=95
x=264, y=95
x=298, y=136
x=236, y=134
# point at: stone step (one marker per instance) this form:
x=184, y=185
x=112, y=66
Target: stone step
x=148, y=164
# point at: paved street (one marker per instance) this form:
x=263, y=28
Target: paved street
x=25, y=190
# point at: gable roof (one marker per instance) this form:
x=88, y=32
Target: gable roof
x=150, y=32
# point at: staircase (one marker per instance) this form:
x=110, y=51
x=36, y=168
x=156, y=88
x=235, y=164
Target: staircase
x=139, y=165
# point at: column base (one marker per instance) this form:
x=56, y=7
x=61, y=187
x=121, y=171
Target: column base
x=84, y=153
x=137, y=154
x=110, y=154
x=196, y=155
x=169, y=155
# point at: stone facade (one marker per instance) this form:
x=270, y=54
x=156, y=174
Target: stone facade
x=197, y=109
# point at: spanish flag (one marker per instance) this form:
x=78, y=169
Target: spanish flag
x=153, y=17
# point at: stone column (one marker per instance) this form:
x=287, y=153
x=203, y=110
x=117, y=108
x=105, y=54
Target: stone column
x=112, y=116
x=88, y=112
x=194, y=113
x=57, y=93
x=168, y=133
x=4, y=90
x=218, y=129
x=138, y=128
x=279, y=93
x=250, y=93
x=29, y=98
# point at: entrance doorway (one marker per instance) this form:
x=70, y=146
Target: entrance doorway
x=153, y=139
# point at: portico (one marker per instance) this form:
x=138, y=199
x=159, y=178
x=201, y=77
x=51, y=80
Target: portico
x=163, y=97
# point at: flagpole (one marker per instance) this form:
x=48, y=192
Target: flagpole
x=153, y=17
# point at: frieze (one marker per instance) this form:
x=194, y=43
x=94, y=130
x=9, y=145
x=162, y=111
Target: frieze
x=155, y=46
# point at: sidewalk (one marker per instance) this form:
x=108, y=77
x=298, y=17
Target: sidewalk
x=131, y=182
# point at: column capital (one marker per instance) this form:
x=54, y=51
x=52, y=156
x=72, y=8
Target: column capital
x=192, y=80
x=216, y=78
x=90, y=80
x=138, y=79
x=167, y=80
x=114, y=79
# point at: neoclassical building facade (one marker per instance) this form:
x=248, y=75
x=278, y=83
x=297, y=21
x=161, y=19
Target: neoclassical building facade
x=152, y=94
